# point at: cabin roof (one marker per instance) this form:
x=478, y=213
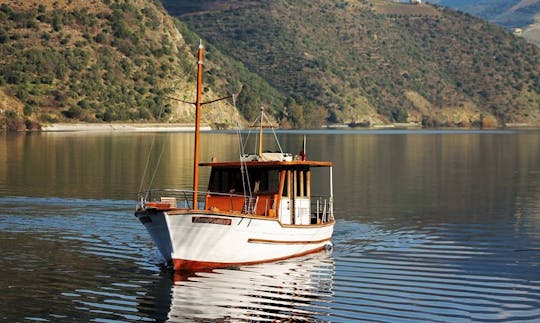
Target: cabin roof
x=273, y=164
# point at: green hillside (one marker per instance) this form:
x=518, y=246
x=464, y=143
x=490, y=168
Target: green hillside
x=308, y=62
x=103, y=61
x=375, y=61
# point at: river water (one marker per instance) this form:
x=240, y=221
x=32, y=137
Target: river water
x=439, y=226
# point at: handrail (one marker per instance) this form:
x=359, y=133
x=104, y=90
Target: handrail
x=184, y=198
x=321, y=206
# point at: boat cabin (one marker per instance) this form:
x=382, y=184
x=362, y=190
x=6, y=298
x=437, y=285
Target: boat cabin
x=275, y=189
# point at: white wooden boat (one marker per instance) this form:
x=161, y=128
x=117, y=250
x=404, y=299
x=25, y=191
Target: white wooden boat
x=256, y=209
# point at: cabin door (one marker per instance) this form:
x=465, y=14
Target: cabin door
x=295, y=205
x=302, y=210
x=285, y=210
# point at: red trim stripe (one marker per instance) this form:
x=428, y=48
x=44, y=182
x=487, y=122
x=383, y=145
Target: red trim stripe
x=194, y=265
x=252, y=240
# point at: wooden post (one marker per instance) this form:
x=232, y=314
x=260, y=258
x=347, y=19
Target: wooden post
x=308, y=183
x=198, y=103
x=301, y=182
x=295, y=194
x=289, y=188
x=290, y=194
x=282, y=177
x=261, y=133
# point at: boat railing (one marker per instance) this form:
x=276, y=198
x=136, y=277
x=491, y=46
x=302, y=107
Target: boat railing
x=322, y=209
x=177, y=199
x=165, y=199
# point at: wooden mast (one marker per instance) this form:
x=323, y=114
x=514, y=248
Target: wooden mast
x=198, y=103
x=261, y=133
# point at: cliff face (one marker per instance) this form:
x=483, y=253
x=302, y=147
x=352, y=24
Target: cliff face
x=376, y=61
x=96, y=61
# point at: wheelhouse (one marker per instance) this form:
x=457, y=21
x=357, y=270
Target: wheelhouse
x=269, y=189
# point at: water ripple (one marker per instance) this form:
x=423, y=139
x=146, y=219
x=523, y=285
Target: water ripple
x=92, y=261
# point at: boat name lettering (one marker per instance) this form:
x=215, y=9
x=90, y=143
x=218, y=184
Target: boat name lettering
x=206, y=219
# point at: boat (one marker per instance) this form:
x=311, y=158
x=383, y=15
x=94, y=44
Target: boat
x=256, y=209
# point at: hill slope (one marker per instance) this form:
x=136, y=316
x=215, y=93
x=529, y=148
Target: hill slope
x=375, y=61
x=97, y=61
x=509, y=13
x=522, y=14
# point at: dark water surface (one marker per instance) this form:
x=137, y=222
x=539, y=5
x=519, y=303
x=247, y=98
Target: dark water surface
x=439, y=226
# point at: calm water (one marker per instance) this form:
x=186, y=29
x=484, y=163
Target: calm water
x=432, y=226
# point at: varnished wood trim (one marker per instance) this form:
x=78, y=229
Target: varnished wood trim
x=308, y=226
x=194, y=265
x=252, y=240
x=284, y=164
x=237, y=215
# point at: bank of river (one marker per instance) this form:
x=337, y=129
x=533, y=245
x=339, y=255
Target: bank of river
x=186, y=127
x=125, y=127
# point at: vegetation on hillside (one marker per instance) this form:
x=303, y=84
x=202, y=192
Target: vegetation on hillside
x=308, y=62
x=103, y=61
x=102, y=64
x=512, y=14
x=231, y=77
x=508, y=13
x=357, y=62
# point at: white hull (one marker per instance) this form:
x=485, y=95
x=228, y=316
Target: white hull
x=198, y=240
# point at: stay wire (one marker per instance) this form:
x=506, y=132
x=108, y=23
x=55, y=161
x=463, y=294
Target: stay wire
x=274, y=132
x=157, y=164
x=243, y=167
x=150, y=156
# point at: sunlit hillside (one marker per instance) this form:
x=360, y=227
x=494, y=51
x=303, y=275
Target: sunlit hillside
x=96, y=61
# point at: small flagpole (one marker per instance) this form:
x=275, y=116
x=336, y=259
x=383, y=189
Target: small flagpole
x=303, y=155
x=198, y=103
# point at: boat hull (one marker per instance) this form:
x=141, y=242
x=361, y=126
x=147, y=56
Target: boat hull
x=195, y=240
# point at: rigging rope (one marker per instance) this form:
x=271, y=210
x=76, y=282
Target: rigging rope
x=147, y=163
x=243, y=167
x=149, y=156
x=274, y=132
x=157, y=165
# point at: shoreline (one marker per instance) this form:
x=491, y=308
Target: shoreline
x=186, y=127
x=121, y=127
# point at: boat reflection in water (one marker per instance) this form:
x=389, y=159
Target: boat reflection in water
x=298, y=289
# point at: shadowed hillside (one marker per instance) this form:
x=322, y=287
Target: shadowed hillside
x=509, y=13
x=375, y=61
x=520, y=15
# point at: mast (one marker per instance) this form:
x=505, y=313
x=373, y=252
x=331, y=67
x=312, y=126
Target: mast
x=261, y=133
x=198, y=103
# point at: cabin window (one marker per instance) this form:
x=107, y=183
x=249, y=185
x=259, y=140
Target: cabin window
x=229, y=180
x=226, y=181
x=264, y=181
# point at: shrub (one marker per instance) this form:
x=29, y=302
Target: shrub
x=28, y=109
x=73, y=113
x=15, y=123
x=32, y=125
